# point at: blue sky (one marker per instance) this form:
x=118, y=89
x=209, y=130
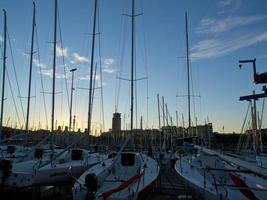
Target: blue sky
x=220, y=33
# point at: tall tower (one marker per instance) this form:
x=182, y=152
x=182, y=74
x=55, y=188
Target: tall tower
x=116, y=122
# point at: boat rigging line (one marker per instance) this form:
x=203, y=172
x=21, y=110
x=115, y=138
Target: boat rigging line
x=100, y=70
x=15, y=73
x=30, y=73
x=5, y=72
x=91, y=71
x=41, y=75
x=93, y=93
x=63, y=60
x=13, y=98
x=241, y=138
x=122, y=43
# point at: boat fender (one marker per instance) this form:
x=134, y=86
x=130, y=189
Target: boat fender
x=91, y=182
x=111, y=155
x=5, y=166
x=76, y=154
x=11, y=149
x=38, y=153
x=173, y=161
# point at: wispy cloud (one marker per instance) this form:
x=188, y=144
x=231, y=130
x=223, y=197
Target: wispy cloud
x=228, y=6
x=262, y=56
x=226, y=3
x=23, y=53
x=87, y=77
x=108, y=61
x=215, y=26
x=212, y=48
x=107, y=66
x=61, y=51
x=38, y=64
x=49, y=73
x=222, y=35
x=35, y=61
x=78, y=58
x=109, y=71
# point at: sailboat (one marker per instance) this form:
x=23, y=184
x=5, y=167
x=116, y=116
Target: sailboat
x=129, y=174
x=56, y=172
x=49, y=168
x=19, y=164
x=212, y=176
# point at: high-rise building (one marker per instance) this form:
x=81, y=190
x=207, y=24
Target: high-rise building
x=116, y=122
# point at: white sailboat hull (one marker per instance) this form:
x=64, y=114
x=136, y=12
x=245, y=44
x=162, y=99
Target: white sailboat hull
x=119, y=182
x=28, y=173
x=211, y=178
x=196, y=181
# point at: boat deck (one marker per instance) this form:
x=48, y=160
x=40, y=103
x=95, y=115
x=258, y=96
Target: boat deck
x=168, y=186
x=243, y=164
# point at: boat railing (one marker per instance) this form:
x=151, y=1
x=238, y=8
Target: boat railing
x=180, y=159
x=224, y=185
x=54, y=157
x=204, y=177
x=143, y=178
x=215, y=183
x=220, y=169
x=37, y=165
x=234, y=187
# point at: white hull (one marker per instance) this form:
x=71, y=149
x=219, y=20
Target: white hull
x=29, y=173
x=211, y=179
x=59, y=173
x=117, y=181
x=262, y=160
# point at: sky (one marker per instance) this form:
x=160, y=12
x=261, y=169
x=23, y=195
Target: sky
x=220, y=34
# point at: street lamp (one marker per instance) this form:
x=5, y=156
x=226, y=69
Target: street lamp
x=71, y=94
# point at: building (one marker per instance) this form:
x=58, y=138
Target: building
x=116, y=123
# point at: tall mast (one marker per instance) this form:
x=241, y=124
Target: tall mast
x=54, y=67
x=163, y=111
x=91, y=73
x=159, y=124
x=176, y=113
x=188, y=73
x=4, y=75
x=132, y=64
x=158, y=110
x=167, y=114
x=30, y=74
